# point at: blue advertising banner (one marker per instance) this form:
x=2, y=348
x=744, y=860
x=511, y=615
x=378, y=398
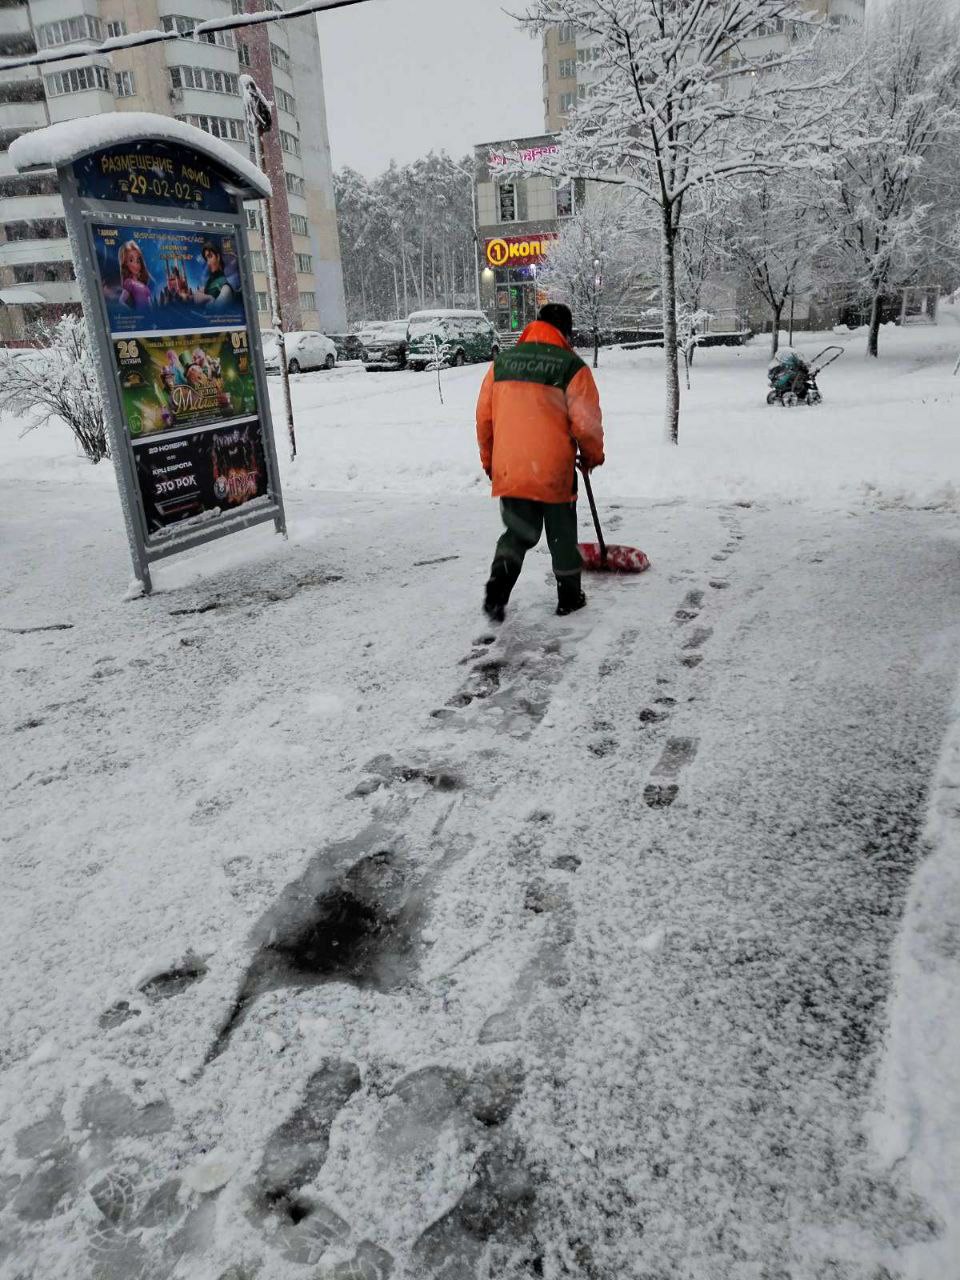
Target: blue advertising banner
x=154, y=173
x=167, y=279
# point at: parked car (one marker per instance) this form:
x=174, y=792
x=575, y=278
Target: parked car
x=387, y=348
x=369, y=329
x=349, y=346
x=305, y=350
x=453, y=337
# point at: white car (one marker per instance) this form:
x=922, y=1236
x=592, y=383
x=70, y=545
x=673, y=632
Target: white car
x=305, y=350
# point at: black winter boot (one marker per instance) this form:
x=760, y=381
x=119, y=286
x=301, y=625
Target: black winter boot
x=569, y=596
x=503, y=578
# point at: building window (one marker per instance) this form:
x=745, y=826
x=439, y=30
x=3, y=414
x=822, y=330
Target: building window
x=285, y=101
x=77, y=80
x=69, y=31
x=308, y=301
x=43, y=272
x=507, y=201
x=205, y=78
x=294, y=183
x=566, y=33
x=36, y=229
x=590, y=54
x=289, y=143
x=304, y=262
x=219, y=126
x=185, y=26
x=280, y=58
x=243, y=54
x=124, y=84
x=567, y=103
x=21, y=91
x=262, y=304
x=568, y=68
x=298, y=225
x=565, y=199
x=253, y=219
x=30, y=184
x=258, y=260
x=115, y=29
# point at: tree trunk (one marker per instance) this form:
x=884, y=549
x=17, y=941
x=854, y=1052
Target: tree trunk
x=775, y=336
x=596, y=346
x=873, y=333
x=671, y=353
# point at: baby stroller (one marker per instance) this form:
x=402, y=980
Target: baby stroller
x=793, y=381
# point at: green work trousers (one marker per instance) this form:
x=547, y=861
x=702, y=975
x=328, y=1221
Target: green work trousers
x=525, y=520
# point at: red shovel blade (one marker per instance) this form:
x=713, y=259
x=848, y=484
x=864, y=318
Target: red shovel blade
x=619, y=559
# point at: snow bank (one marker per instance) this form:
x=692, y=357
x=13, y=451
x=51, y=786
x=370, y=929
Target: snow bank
x=63, y=143
x=886, y=435
x=919, y=1119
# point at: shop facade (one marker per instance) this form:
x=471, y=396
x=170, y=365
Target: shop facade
x=517, y=219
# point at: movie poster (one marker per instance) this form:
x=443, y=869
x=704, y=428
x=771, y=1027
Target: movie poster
x=168, y=278
x=169, y=383
x=202, y=473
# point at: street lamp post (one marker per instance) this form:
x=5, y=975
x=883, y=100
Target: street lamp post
x=476, y=238
x=597, y=287
x=471, y=174
x=259, y=118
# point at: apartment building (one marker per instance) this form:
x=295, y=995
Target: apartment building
x=570, y=57
x=195, y=80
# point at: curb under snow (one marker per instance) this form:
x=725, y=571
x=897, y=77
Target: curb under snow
x=918, y=1125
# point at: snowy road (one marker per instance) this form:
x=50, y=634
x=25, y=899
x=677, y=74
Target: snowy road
x=375, y=945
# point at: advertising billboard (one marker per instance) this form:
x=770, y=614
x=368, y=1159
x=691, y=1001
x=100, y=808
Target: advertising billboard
x=158, y=279
x=157, y=172
x=200, y=473
x=198, y=379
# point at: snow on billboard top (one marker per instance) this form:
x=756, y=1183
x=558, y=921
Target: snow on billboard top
x=61, y=144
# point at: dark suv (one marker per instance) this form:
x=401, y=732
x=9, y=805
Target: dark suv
x=349, y=346
x=387, y=348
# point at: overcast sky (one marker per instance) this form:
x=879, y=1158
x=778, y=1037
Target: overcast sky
x=404, y=76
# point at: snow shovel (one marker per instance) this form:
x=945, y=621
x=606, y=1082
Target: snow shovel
x=599, y=557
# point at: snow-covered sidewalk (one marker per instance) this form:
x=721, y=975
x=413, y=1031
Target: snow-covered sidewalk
x=345, y=937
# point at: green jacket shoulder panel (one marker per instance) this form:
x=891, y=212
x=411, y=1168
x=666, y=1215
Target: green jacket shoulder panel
x=537, y=362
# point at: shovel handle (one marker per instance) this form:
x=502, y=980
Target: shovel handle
x=593, y=510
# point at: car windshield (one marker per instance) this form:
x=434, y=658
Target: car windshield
x=420, y=328
x=271, y=348
x=390, y=332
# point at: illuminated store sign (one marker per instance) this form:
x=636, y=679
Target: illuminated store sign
x=513, y=250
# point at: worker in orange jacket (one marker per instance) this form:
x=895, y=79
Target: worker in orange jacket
x=538, y=406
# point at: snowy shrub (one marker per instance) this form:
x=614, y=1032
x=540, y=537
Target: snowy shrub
x=56, y=379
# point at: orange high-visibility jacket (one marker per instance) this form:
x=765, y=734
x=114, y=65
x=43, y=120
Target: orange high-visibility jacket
x=537, y=405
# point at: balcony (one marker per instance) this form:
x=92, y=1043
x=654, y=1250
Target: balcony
x=24, y=115
x=51, y=291
x=22, y=253
x=23, y=208
x=15, y=21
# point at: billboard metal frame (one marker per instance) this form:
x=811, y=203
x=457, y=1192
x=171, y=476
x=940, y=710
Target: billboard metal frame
x=81, y=213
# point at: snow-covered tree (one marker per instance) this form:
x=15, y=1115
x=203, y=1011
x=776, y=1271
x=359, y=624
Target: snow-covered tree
x=597, y=262
x=875, y=169
x=682, y=99
x=56, y=380
x=702, y=257
x=407, y=237
x=774, y=236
